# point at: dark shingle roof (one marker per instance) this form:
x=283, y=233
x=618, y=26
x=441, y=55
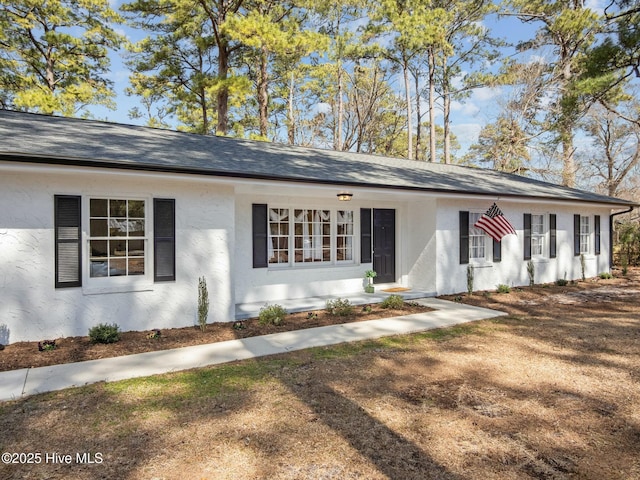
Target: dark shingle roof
x=40, y=138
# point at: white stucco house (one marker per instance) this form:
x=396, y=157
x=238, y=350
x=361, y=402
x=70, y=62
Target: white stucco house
x=112, y=223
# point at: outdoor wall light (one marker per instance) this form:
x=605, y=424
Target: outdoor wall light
x=344, y=196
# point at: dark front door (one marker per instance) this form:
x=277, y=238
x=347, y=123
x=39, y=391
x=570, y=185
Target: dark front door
x=384, y=245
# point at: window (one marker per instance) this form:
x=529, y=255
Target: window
x=306, y=236
x=312, y=236
x=117, y=237
x=537, y=235
x=585, y=234
x=477, y=238
x=278, y=235
x=118, y=241
x=344, y=238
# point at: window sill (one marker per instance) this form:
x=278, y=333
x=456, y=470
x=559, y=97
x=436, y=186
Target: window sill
x=540, y=260
x=480, y=264
x=309, y=266
x=124, y=288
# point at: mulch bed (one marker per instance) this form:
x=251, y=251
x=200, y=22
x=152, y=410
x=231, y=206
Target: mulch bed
x=76, y=349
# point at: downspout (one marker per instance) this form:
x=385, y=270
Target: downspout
x=630, y=209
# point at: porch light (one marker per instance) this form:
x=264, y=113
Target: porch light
x=345, y=196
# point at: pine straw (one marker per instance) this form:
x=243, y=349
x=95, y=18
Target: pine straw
x=550, y=392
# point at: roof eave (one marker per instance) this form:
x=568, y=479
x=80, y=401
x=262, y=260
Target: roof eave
x=120, y=165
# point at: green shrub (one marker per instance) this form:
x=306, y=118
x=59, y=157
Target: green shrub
x=562, y=282
x=470, y=279
x=605, y=275
x=272, y=315
x=104, y=333
x=203, y=303
x=531, y=271
x=502, y=288
x=340, y=306
x=393, y=301
x=47, y=345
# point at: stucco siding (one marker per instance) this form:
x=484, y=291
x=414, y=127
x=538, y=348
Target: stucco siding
x=32, y=309
x=512, y=269
x=420, y=255
x=279, y=282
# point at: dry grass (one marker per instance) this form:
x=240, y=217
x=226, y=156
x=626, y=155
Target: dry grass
x=550, y=392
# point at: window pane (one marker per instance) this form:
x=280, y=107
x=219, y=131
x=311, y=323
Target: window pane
x=136, y=248
x=98, y=227
x=117, y=248
x=117, y=267
x=117, y=228
x=136, y=266
x=98, y=207
x=98, y=248
x=117, y=208
x=136, y=228
x=136, y=208
x=99, y=268
x=537, y=224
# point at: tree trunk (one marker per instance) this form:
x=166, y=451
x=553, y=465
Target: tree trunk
x=432, y=113
x=263, y=95
x=222, y=100
x=292, y=124
x=338, y=140
x=407, y=89
x=418, y=118
x=446, y=99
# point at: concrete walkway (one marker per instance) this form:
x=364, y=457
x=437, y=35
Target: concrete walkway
x=29, y=381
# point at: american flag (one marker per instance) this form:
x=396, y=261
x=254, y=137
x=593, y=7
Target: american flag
x=494, y=223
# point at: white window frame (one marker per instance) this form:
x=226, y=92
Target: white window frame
x=478, y=237
x=282, y=258
x=121, y=283
x=539, y=236
x=585, y=234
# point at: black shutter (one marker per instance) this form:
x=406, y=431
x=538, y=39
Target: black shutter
x=527, y=236
x=164, y=239
x=596, y=227
x=576, y=235
x=259, y=228
x=553, y=236
x=464, y=238
x=68, y=234
x=497, y=251
x=365, y=236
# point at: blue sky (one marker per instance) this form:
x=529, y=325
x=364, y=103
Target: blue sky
x=467, y=117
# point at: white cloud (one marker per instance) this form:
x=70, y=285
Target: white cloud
x=484, y=94
x=469, y=109
x=466, y=133
x=597, y=6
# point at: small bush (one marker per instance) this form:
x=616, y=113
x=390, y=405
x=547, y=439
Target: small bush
x=605, y=276
x=203, y=303
x=470, y=279
x=340, y=307
x=531, y=271
x=47, y=345
x=104, y=333
x=154, y=334
x=502, y=288
x=393, y=301
x=272, y=315
x=562, y=282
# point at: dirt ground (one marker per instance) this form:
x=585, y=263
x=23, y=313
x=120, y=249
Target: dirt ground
x=551, y=391
x=76, y=349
